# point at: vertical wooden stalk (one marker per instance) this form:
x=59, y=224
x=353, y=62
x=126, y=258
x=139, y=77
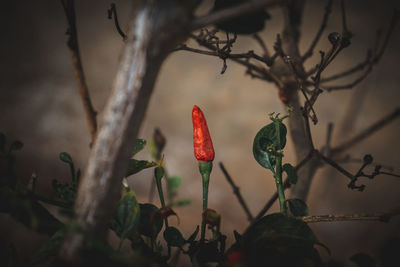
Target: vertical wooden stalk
x=157, y=26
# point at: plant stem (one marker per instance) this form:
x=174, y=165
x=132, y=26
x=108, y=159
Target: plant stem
x=279, y=184
x=278, y=170
x=205, y=168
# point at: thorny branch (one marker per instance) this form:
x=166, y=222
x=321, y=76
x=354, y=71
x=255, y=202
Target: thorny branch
x=236, y=191
x=69, y=9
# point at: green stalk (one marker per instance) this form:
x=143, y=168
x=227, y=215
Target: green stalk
x=205, y=168
x=279, y=185
x=278, y=170
x=159, y=173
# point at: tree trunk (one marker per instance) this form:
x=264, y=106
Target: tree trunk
x=157, y=27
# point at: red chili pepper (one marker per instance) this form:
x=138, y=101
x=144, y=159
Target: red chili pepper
x=203, y=147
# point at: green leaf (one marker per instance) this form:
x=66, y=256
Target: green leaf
x=16, y=145
x=279, y=240
x=291, y=173
x=2, y=142
x=64, y=156
x=173, y=237
x=51, y=248
x=298, y=207
x=247, y=24
x=183, y=202
x=150, y=224
x=139, y=145
x=265, y=141
x=135, y=166
x=127, y=215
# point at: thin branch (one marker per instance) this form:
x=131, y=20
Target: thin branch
x=69, y=9
x=351, y=84
x=113, y=11
x=261, y=42
x=236, y=191
x=234, y=12
x=269, y=76
x=249, y=54
x=328, y=10
x=367, y=132
x=371, y=59
x=348, y=159
x=382, y=217
x=367, y=161
x=346, y=33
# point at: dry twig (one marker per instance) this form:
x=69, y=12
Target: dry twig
x=69, y=9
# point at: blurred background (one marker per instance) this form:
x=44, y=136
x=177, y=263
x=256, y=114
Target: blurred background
x=40, y=105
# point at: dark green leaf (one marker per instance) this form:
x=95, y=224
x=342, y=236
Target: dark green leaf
x=363, y=260
x=135, y=166
x=194, y=235
x=49, y=249
x=2, y=142
x=173, y=237
x=247, y=24
x=16, y=145
x=139, y=145
x=291, y=173
x=150, y=224
x=64, y=156
x=127, y=215
x=298, y=207
x=281, y=229
x=266, y=141
x=279, y=240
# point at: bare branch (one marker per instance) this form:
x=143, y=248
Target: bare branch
x=261, y=42
x=382, y=217
x=234, y=12
x=328, y=10
x=113, y=11
x=269, y=76
x=352, y=84
x=373, y=57
x=69, y=9
x=367, y=132
x=236, y=191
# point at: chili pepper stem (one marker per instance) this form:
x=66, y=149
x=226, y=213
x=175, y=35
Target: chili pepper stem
x=279, y=185
x=278, y=170
x=205, y=168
